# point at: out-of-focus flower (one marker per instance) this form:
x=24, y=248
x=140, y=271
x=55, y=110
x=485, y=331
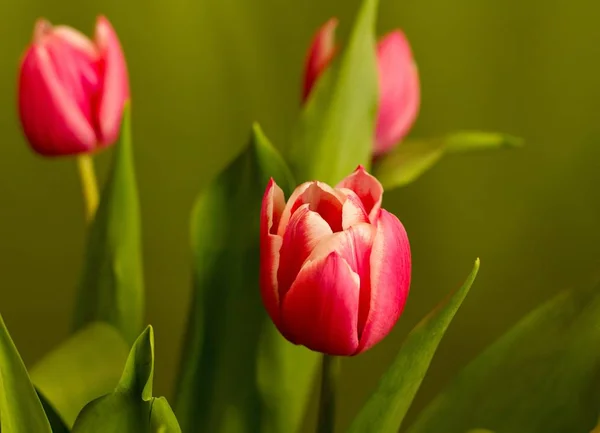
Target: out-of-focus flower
x=399, y=88
x=72, y=90
x=335, y=267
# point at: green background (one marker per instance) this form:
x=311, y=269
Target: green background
x=203, y=70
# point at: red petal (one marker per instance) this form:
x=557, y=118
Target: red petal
x=287, y=212
x=353, y=211
x=321, y=309
x=51, y=118
x=390, y=281
x=399, y=91
x=75, y=62
x=367, y=188
x=304, y=231
x=115, y=84
x=320, y=53
x=270, y=244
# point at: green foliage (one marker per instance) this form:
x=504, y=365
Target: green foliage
x=20, y=408
x=83, y=368
x=540, y=377
x=225, y=350
x=130, y=408
x=336, y=127
x=386, y=408
x=111, y=288
x=409, y=160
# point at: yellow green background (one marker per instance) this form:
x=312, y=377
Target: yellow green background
x=203, y=70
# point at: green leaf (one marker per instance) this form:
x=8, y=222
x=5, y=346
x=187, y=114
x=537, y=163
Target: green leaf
x=130, y=408
x=111, y=287
x=20, y=408
x=540, y=377
x=387, y=406
x=218, y=388
x=286, y=376
x=336, y=127
x=83, y=368
x=409, y=160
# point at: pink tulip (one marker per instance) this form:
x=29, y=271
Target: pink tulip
x=335, y=267
x=72, y=90
x=399, y=92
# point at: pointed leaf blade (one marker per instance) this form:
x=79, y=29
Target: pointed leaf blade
x=129, y=409
x=386, y=408
x=412, y=158
x=20, y=408
x=336, y=127
x=216, y=391
x=111, y=287
x=543, y=372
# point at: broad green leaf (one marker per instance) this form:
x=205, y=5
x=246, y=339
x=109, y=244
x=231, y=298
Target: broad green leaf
x=286, y=376
x=409, y=160
x=387, y=406
x=336, y=127
x=540, y=377
x=111, y=287
x=130, y=408
x=83, y=368
x=218, y=389
x=20, y=408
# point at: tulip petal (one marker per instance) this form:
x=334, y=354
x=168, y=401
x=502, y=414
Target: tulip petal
x=399, y=91
x=272, y=206
x=115, y=85
x=367, y=188
x=320, y=53
x=390, y=281
x=75, y=62
x=353, y=245
x=321, y=309
x=353, y=211
x=324, y=200
x=304, y=231
x=287, y=211
x=52, y=120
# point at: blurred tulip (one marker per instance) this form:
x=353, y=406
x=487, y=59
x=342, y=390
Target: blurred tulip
x=335, y=267
x=71, y=89
x=399, y=92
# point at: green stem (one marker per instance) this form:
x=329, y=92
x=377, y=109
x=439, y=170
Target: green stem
x=329, y=383
x=89, y=185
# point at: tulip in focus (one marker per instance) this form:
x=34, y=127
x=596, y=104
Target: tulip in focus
x=399, y=93
x=71, y=89
x=335, y=267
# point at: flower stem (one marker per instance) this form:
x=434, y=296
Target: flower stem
x=329, y=383
x=89, y=185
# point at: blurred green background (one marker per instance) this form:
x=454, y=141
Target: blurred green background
x=203, y=70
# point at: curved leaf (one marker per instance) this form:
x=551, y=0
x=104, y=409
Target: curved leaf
x=20, y=408
x=111, y=287
x=410, y=159
x=131, y=407
x=218, y=388
x=540, y=377
x=388, y=405
x=336, y=127
x=83, y=368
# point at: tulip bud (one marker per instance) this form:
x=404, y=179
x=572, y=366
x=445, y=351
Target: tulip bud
x=72, y=90
x=399, y=92
x=335, y=267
